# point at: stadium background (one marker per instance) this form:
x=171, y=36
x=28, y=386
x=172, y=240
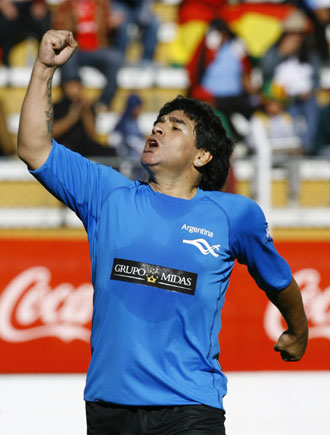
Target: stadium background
x=45, y=294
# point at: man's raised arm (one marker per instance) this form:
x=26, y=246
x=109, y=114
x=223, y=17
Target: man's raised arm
x=36, y=120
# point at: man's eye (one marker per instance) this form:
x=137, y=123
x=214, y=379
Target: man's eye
x=176, y=128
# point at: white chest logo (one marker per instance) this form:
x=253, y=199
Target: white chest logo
x=203, y=246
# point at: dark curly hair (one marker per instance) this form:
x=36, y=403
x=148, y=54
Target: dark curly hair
x=210, y=136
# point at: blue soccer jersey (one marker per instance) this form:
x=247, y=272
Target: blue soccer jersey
x=160, y=271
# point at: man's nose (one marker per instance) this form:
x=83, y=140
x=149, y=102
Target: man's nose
x=158, y=130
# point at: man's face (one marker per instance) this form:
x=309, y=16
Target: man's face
x=172, y=144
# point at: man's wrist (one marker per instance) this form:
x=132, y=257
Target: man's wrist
x=301, y=332
x=43, y=71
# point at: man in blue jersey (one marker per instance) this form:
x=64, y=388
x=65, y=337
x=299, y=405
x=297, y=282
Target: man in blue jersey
x=162, y=253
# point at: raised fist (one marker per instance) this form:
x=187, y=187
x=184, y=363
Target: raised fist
x=56, y=47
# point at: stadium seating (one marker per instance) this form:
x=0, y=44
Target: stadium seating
x=24, y=203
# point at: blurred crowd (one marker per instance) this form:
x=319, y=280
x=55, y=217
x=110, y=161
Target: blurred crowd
x=250, y=60
x=263, y=61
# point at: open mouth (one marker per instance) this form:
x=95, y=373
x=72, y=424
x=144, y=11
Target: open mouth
x=151, y=144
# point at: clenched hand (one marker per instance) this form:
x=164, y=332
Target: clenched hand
x=56, y=48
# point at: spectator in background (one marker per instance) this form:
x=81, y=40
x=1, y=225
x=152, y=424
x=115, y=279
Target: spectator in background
x=91, y=21
x=74, y=121
x=7, y=144
x=138, y=13
x=20, y=19
x=127, y=137
x=220, y=73
x=292, y=64
x=201, y=59
x=193, y=20
x=277, y=121
x=128, y=140
x=322, y=140
x=319, y=13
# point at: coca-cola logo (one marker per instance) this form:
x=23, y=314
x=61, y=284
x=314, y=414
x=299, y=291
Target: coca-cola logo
x=31, y=309
x=316, y=303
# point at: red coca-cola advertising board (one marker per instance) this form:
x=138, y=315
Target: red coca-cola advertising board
x=46, y=309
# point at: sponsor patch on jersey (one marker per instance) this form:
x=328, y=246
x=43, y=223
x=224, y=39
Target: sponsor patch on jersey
x=155, y=276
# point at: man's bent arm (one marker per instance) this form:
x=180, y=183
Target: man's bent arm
x=36, y=119
x=292, y=343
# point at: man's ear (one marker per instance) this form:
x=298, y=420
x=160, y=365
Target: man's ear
x=202, y=158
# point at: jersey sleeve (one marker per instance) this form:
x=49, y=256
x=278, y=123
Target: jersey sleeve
x=252, y=245
x=78, y=182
